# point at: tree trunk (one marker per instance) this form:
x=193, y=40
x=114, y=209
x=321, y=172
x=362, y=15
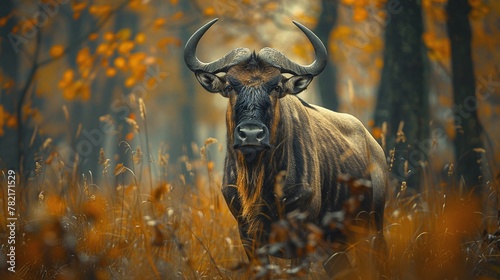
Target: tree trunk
x=403, y=96
x=468, y=129
x=187, y=122
x=8, y=97
x=327, y=81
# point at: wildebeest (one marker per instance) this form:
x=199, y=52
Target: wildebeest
x=272, y=132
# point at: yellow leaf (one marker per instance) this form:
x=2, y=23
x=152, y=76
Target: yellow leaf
x=272, y=6
x=100, y=10
x=371, y=123
x=84, y=57
x=8, y=84
x=429, y=38
x=69, y=93
x=101, y=49
x=341, y=32
x=348, y=2
x=56, y=51
x=361, y=3
x=68, y=75
x=109, y=51
x=78, y=8
x=140, y=38
x=138, y=73
x=11, y=121
x=93, y=36
x=150, y=60
x=359, y=14
x=124, y=34
x=111, y=72
x=164, y=42
x=120, y=63
x=159, y=22
x=67, y=78
x=376, y=132
x=4, y=20
x=16, y=28
x=119, y=169
x=379, y=63
x=210, y=11
x=136, y=59
x=126, y=47
x=108, y=36
x=210, y=165
x=178, y=15
x=104, y=62
x=302, y=50
x=84, y=92
x=130, y=81
x=130, y=136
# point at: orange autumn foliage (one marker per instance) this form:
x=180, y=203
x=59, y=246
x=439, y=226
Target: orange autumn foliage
x=56, y=51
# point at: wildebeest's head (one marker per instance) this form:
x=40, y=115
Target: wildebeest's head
x=254, y=83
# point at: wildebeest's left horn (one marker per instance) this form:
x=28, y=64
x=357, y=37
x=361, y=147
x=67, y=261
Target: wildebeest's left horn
x=279, y=60
x=220, y=65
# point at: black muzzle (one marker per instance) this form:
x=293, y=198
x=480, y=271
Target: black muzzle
x=251, y=138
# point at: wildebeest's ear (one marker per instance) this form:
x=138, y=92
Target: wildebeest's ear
x=296, y=84
x=210, y=82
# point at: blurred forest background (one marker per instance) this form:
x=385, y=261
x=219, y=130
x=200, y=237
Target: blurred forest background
x=87, y=85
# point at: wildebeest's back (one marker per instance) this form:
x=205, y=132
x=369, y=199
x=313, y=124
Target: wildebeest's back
x=341, y=145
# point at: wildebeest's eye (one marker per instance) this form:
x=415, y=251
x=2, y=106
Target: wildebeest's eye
x=228, y=89
x=277, y=89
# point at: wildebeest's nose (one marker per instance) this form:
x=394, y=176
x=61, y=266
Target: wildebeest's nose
x=251, y=134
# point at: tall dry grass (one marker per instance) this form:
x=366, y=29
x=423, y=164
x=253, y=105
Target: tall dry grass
x=132, y=225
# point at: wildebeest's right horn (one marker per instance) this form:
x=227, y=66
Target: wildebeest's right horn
x=221, y=65
x=279, y=60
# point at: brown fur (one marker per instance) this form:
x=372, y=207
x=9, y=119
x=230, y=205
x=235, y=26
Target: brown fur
x=251, y=75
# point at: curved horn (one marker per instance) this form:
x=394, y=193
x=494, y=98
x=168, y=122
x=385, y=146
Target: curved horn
x=221, y=65
x=279, y=60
